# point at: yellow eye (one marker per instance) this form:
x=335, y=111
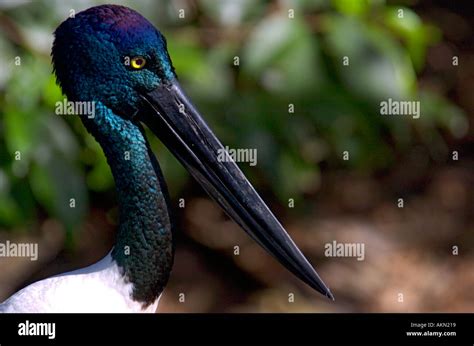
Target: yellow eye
x=138, y=62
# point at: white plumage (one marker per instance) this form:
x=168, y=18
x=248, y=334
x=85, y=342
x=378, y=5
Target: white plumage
x=96, y=288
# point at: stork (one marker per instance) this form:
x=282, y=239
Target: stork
x=112, y=56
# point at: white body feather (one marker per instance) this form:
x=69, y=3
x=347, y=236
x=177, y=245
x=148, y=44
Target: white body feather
x=98, y=288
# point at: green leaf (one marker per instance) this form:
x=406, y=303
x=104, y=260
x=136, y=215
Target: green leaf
x=378, y=66
x=57, y=184
x=351, y=7
x=282, y=52
x=231, y=12
x=417, y=36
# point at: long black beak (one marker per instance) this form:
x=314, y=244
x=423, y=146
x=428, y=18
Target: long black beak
x=172, y=117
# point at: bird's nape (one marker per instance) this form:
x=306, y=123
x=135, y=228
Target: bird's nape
x=173, y=118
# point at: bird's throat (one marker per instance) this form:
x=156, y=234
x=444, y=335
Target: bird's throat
x=144, y=247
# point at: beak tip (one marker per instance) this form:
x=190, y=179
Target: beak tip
x=325, y=291
x=330, y=295
x=317, y=283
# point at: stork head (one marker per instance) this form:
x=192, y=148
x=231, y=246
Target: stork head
x=111, y=54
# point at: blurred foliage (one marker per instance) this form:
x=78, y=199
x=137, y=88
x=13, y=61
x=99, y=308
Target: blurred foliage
x=282, y=61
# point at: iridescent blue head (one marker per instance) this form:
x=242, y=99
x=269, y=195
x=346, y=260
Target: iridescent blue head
x=112, y=55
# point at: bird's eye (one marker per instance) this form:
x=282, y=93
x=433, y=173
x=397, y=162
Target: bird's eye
x=138, y=62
